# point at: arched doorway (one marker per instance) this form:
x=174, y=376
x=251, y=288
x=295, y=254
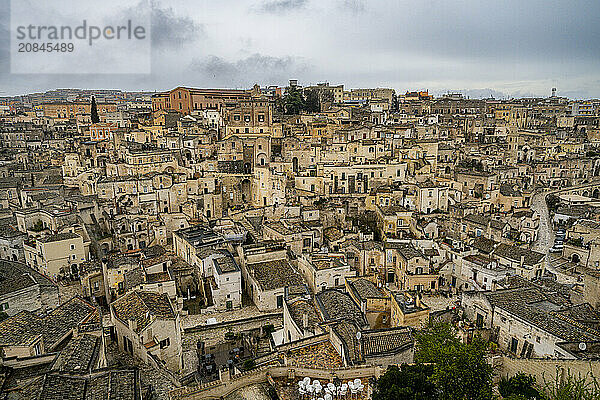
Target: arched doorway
x=575, y=258
x=596, y=193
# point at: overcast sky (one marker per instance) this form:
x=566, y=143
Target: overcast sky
x=504, y=48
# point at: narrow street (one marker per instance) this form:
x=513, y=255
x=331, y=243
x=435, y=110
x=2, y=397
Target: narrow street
x=545, y=237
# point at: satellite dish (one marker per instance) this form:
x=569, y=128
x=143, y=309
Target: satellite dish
x=582, y=346
x=358, y=335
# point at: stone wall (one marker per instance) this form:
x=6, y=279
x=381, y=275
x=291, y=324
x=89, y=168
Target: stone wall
x=226, y=385
x=546, y=369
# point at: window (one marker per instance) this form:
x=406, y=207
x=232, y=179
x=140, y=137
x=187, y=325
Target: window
x=279, y=301
x=72, y=247
x=479, y=322
x=514, y=345
x=165, y=343
x=3, y=306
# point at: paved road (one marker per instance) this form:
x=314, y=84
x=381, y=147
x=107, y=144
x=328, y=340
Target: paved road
x=545, y=238
x=538, y=203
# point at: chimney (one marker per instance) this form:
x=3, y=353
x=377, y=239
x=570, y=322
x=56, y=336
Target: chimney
x=304, y=321
x=522, y=261
x=418, y=300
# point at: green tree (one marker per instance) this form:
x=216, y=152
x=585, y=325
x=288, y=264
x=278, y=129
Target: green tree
x=395, y=103
x=572, y=387
x=312, y=101
x=409, y=382
x=434, y=342
x=94, y=111
x=519, y=385
x=553, y=202
x=461, y=371
x=293, y=101
x=464, y=374
x=3, y=316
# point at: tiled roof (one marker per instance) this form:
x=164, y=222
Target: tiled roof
x=300, y=307
x=100, y=385
x=59, y=237
x=484, y=245
x=15, y=276
x=514, y=253
x=275, y=274
x=347, y=333
x=531, y=305
x=336, y=305
x=226, y=264
x=384, y=341
x=79, y=355
x=364, y=289
x=407, y=250
x=133, y=277
x=25, y=327
x=140, y=306
x=153, y=251
x=477, y=219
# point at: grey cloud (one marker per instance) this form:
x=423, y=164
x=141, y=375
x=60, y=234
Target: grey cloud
x=170, y=29
x=256, y=68
x=280, y=6
x=4, y=36
x=352, y=5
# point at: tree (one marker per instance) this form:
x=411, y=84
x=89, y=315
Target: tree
x=395, y=103
x=434, y=341
x=471, y=164
x=552, y=201
x=3, y=316
x=572, y=387
x=409, y=382
x=465, y=374
x=293, y=101
x=520, y=385
x=94, y=112
x=461, y=370
x=312, y=102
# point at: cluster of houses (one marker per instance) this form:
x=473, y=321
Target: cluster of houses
x=339, y=224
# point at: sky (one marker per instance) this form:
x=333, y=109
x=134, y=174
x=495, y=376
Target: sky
x=508, y=48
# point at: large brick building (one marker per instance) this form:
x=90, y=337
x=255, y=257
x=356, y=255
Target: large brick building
x=186, y=100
